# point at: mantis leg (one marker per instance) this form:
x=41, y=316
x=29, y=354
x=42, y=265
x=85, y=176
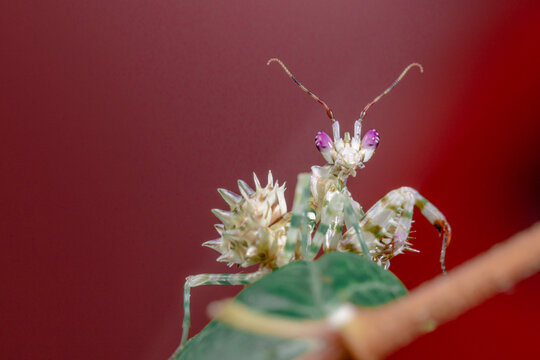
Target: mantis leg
x=330, y=227
x=302, y=221
x=353, y=214
x=210, y=279
x=386, y=226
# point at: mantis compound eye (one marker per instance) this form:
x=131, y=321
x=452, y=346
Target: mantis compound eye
x=369, y=144
x=324, y=145
x=370, y=141
x=323, y=141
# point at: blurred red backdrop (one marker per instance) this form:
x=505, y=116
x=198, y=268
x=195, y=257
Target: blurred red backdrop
x=119, y=119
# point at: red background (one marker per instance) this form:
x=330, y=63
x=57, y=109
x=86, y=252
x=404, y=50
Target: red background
x=119, y=119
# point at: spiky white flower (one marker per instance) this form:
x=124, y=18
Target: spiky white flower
x=254, y=230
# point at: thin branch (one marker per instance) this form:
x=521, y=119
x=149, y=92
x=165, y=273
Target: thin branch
x=372, y=334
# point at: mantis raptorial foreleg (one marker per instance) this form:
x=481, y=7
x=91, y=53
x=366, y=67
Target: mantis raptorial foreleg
x=302, y=221
x=386, y=225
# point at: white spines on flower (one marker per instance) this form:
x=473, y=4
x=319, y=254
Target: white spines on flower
x=254, y=230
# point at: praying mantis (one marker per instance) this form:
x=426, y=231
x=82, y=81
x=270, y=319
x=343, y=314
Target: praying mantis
x=259, y=230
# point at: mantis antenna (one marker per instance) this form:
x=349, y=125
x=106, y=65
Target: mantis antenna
x=328, y=111
x=363, y=113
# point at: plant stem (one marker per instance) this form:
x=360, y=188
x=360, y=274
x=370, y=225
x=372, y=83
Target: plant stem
x=372, y=334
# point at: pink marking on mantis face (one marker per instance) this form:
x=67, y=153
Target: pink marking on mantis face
x=370, y=141
x=325, y=145
x=323, y=141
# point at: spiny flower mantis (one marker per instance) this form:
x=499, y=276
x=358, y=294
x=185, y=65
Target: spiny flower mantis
x=258, y=230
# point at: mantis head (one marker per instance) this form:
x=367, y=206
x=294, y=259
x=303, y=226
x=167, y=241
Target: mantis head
x=347, y=154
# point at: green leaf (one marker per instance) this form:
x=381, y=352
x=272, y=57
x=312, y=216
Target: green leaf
x=314, y=290
x=299, y=290
x=222, y=342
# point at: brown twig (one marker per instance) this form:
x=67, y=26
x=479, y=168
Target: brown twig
x=372, y=334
